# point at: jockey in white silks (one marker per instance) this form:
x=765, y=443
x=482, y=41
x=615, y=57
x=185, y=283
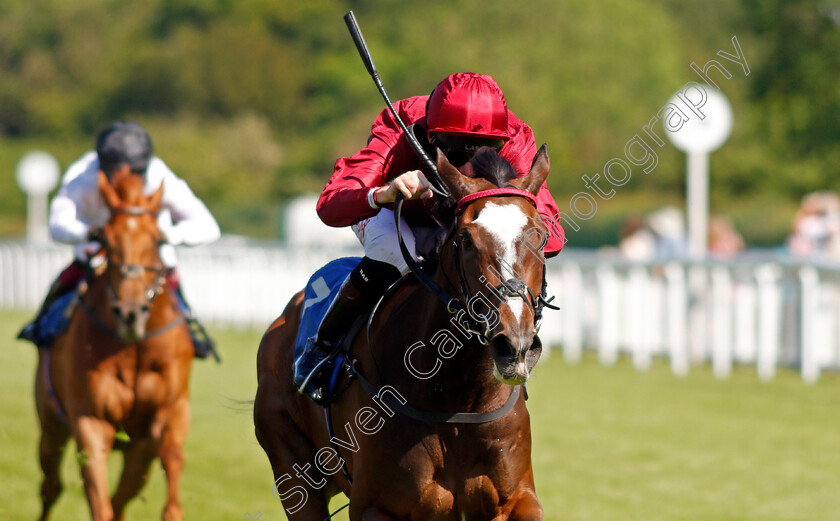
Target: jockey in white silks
x=78, y=212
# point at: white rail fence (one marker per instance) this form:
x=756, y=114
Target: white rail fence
x=762, y=314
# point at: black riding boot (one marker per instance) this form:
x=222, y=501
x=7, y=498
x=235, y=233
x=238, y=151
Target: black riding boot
x=359, y=291
x=203, y=345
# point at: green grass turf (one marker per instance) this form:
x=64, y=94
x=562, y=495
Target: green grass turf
x=610, y=444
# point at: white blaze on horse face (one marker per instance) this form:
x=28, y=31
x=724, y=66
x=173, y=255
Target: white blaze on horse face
x=505, y=224
x=132, y=223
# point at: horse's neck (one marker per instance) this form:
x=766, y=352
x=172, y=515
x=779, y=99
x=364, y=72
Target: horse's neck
x=419, y=323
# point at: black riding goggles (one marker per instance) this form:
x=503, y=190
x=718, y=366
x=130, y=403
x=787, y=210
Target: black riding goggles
x=460, y=149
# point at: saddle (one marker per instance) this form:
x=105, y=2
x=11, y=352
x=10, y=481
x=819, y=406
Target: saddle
x=57, y=317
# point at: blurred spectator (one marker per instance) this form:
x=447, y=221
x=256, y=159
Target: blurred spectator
x=668, y=225
x=636, y=241
x=724, y=240
x=816, y=227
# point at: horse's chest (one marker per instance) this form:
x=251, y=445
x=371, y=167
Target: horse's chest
x=455, y=477
x=126, y=392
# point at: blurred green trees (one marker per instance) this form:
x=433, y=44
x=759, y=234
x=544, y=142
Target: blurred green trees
x=253, y=100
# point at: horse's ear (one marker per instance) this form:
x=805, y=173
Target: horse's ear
x=108, y=192
x=451, y=177
x=154, y=201
x=459, y=184
x=538, y=174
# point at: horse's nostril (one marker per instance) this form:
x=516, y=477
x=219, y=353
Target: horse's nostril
x=502, y=347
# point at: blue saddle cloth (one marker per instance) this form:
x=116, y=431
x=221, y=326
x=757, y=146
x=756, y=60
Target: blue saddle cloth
x=319, y=293
x=55, y=320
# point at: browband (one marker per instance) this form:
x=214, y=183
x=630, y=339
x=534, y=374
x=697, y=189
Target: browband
x=495, y=192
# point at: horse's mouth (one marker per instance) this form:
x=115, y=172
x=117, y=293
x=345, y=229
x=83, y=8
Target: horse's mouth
x=513, y=367
x=513, y=375
x=130, y=333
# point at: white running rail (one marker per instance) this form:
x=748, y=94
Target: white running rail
x=765, y=314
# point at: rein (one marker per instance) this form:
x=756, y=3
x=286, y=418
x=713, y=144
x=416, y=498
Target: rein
x=97, y=320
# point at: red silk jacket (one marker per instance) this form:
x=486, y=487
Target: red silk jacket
x=389, y=154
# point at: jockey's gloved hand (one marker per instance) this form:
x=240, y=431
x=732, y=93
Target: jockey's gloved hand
x=173, y=236
x=95, y=235
x=412, y=184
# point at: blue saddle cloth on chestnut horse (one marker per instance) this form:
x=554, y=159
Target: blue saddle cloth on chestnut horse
x=319, y=293
x=56, y=319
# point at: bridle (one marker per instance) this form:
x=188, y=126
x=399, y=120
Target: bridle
x=458, y=305
x=134, y=271
x=128, y=271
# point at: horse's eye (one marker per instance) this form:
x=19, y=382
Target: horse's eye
x=466, y=241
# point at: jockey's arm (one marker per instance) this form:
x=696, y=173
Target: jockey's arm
x=549, y=213
x=344, y=200
x=193, y=224
x=67, y=223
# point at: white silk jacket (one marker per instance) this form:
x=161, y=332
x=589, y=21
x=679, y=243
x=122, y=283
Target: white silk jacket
x=79, y=207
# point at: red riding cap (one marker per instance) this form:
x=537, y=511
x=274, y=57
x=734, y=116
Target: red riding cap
x=468, y=104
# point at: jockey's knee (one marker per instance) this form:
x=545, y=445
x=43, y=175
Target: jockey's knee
x=72, y=274
x=373, y=277
x=381, y=242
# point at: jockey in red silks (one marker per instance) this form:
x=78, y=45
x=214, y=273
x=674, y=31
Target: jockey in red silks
x=465, y=112
x=78, y=213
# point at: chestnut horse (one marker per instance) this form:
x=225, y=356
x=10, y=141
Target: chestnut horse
x=392, y=451
x=122, y=366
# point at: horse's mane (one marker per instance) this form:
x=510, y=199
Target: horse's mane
x=130, y=188
x=486, y=164
x=489, y=165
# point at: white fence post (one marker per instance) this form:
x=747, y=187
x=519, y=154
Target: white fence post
x=721, y=322
x=677, y=299
x=810, y=281
x=769, y=320
x=637, y=298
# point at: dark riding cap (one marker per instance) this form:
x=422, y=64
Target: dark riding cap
x=124, y=142
x=468, y=104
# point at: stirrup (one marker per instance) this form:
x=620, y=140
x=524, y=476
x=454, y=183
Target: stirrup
x=317, y=394
x=203, y=345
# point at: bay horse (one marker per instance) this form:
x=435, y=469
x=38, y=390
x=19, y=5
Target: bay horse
x=122, y=366
x=404, y=445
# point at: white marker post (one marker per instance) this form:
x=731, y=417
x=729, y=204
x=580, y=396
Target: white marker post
x=37, y=173
x=708, y=127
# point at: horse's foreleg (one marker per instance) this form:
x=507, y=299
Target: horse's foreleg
x=54, y=436
x=171, y=452
x=286, y=445
x=94, y=439
x=138, y=458
x=525, y=508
